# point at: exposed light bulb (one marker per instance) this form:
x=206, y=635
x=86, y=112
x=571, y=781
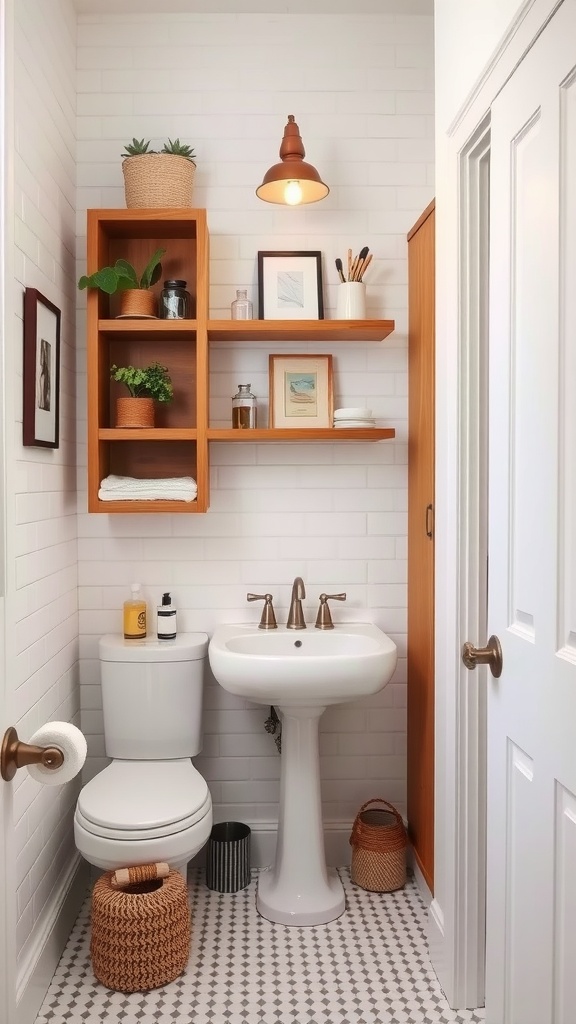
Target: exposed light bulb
x=293, y=193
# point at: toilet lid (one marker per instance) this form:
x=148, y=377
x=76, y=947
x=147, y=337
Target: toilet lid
x=140, y=798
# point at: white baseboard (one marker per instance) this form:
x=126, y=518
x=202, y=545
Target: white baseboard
x=437, y=948
x=44, y=948
x=263, y=844
x=420, y=880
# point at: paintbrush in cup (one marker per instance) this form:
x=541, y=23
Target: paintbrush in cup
x=363, y=267
x=340, y=270
x=359, y=263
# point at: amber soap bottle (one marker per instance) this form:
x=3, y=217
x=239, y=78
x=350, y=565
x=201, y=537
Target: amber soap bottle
x=135, y=615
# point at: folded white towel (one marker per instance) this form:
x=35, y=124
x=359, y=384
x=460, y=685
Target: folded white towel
x=126, y=488
x=131, y=483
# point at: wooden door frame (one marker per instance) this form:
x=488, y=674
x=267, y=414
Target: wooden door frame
x=456, y=924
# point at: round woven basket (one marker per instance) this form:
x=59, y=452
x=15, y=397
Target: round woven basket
x=378, y=843
x=134, y=412
x=154, y=180
x=141, y=932
x=138, y=302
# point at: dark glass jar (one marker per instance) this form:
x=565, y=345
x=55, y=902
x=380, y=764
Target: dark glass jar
x=175, y=301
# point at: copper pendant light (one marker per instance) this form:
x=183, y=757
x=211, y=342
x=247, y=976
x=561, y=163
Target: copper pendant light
x=292, y=181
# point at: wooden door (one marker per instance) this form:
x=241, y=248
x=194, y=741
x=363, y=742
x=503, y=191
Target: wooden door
x=421, y=543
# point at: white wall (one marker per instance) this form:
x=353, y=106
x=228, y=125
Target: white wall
x=361, y=90
x=466, y=36
x=41, y=600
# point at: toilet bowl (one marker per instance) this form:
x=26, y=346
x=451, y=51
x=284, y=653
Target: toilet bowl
x=150, y=803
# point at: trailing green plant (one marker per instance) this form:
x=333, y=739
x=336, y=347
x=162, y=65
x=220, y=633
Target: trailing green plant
x=145, y=382
x=141, y=147
x=123, y=275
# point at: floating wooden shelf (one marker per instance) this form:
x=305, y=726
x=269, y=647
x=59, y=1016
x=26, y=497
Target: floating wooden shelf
x=302, y=434
x=299, y=330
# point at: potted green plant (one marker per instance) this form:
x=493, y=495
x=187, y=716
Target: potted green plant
x=145, y=385
x=137, y=298
x=158, y=179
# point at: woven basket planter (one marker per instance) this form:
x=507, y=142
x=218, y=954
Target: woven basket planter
x=153, y=180
x=378, y=843
x=140, y=934
x=134, y=412
x=138, y=302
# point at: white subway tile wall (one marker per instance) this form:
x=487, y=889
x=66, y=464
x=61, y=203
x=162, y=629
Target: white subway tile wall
x=41, y=510
x=361, y=89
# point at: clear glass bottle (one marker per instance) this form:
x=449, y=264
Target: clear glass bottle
x=244, y=408
x=175, y=301
x=241, y=307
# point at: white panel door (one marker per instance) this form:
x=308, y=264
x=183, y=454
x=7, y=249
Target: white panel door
x=531, y=884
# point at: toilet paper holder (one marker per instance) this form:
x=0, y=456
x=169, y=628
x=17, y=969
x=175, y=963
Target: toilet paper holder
x=16, y=754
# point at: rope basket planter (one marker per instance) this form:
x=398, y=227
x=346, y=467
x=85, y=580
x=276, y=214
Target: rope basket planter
x=154, y=180
x=378, y=842
x=134, y=412
x=140, y=927
x=138, y=302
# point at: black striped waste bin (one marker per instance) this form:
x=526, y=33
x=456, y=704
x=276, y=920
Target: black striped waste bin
x=228, y=857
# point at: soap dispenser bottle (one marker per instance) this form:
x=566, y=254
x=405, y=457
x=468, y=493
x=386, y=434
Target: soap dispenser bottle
x=166, y=629
x=135, y=615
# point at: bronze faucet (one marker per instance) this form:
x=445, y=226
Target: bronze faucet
x=268, y=618
x=296, y=615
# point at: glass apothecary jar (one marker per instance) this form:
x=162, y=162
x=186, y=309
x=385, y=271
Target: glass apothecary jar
x=241, y=308
x=244, y=408
x=175, y=301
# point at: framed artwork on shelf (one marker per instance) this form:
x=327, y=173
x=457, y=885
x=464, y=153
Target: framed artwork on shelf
x=41, y=399
x=301, y=391
x=290, y=286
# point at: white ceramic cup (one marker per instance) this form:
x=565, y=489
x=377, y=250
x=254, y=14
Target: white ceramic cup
x=351, y=301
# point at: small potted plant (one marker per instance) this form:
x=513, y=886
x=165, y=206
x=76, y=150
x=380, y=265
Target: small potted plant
x=137, y=298
x=145, y=385
x=158, y=179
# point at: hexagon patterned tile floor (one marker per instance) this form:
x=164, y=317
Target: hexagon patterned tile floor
x=368, y=967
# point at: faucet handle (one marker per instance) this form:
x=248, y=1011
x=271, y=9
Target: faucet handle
x=324, y=617
x=268, y=619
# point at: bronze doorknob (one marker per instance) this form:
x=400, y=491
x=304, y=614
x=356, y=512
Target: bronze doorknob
x=490, y=655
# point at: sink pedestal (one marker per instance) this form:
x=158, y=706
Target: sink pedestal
x=299, y=889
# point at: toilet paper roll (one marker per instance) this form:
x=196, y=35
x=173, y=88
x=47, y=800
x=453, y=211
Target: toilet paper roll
x=70, y=741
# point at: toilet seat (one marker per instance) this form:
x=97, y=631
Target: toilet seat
x=143, y=800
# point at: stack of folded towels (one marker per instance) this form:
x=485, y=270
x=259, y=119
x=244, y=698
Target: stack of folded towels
x=129, y=488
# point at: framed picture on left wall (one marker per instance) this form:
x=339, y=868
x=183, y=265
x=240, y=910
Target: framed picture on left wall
x=41, y=407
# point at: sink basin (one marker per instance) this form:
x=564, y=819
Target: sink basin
x=302, y=668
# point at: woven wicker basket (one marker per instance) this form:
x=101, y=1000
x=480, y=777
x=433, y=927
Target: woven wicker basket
x=153, y=180
x=378, y=843
x=134, y=412
x=140, y=933
x=138, y=302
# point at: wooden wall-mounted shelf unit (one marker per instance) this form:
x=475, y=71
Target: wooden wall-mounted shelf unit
x=178, y=445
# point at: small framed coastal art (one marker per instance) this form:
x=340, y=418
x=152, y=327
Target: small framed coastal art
x=290, y=286
x=301, y=391
x=41, y=409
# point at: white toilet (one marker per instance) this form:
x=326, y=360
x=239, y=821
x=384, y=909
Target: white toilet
x=150, y=804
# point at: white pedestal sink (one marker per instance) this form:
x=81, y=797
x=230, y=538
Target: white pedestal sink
x=301, y=672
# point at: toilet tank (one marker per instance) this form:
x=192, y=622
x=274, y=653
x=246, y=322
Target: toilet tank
x=152, y=696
